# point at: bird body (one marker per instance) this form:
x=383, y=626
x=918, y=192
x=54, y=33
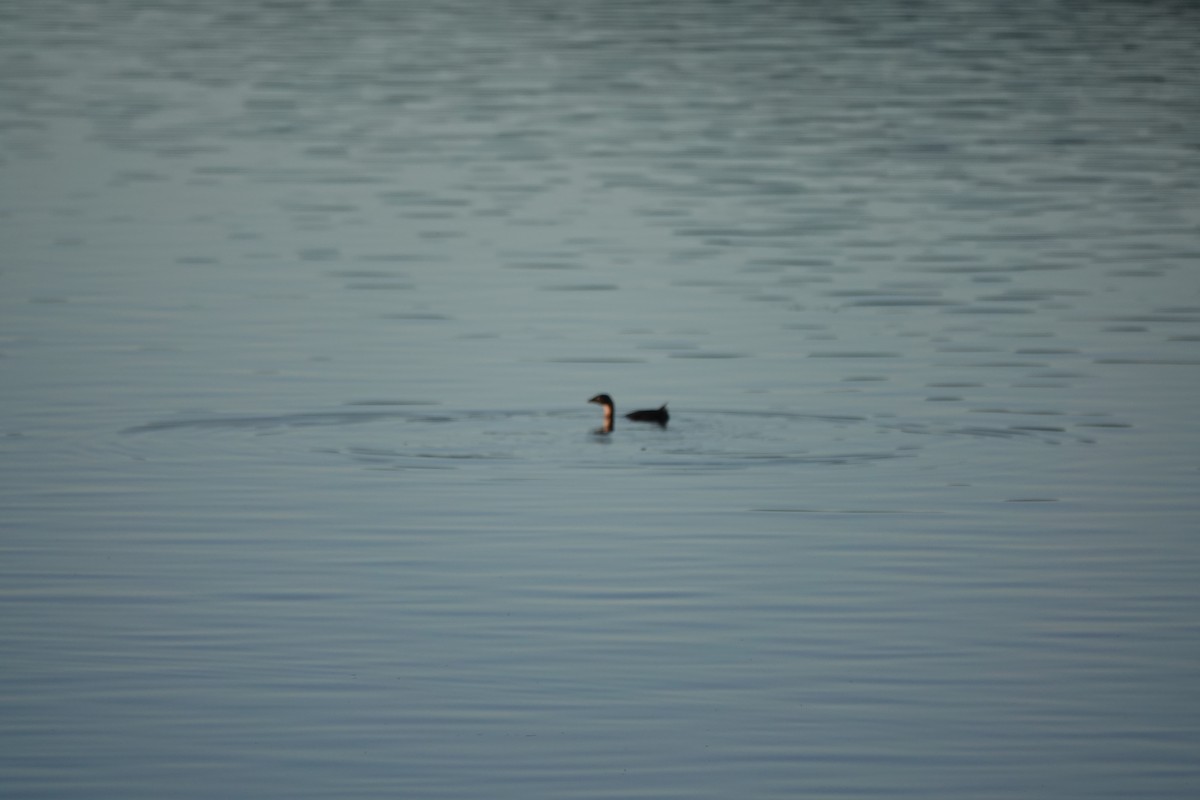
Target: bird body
x=658, y=416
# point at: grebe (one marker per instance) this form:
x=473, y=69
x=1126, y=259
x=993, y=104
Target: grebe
x=658, y=416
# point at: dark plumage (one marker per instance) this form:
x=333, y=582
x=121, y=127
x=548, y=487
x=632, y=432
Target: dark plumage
x=658, y=416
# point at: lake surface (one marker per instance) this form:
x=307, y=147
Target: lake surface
x=301, y=304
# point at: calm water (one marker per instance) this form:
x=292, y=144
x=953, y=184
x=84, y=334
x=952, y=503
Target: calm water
x=300, y=305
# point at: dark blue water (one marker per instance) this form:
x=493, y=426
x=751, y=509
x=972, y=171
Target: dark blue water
x=301, y=304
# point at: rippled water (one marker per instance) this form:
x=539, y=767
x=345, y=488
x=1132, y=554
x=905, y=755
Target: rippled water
x=300, y=495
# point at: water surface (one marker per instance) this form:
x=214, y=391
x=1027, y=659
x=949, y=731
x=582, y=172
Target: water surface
x=301, y=496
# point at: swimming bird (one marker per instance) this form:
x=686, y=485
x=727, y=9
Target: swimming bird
x=658, y=416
